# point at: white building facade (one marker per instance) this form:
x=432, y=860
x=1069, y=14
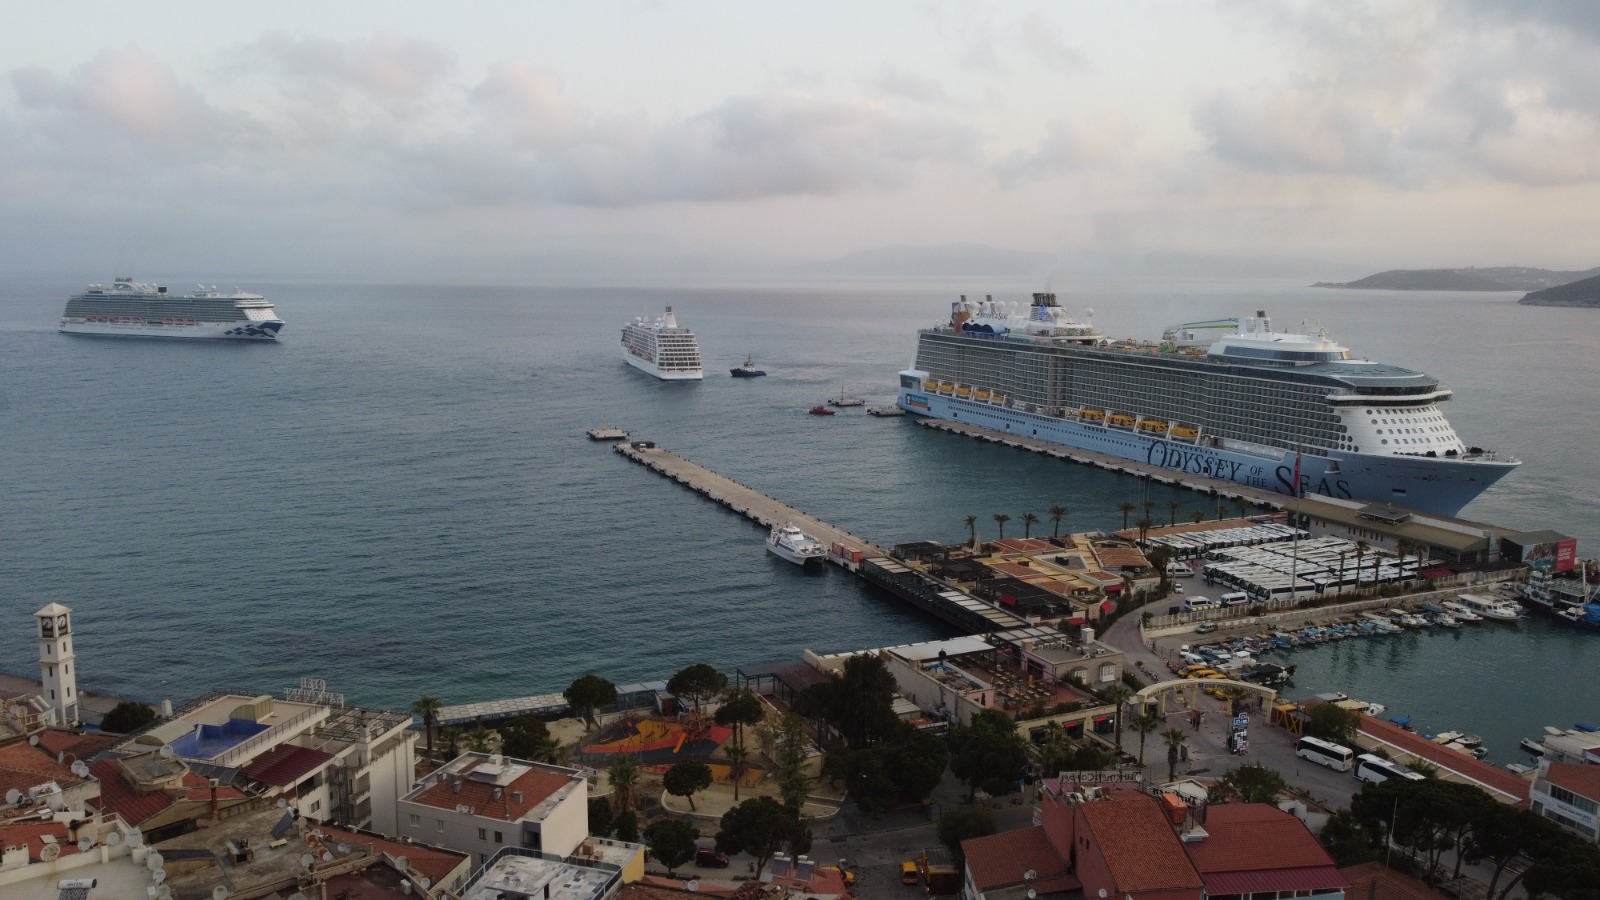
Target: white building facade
x=481, y=804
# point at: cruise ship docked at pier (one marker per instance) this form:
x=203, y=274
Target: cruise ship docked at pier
x=663, y=349
x=130, y=308
x=1255, y=407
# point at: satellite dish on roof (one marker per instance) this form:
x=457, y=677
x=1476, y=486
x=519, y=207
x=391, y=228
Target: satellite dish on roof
x=34, y=740
x=282, y=803
x=219, y=892
x=306, y=860
x=1030, y=875
x=13, y=797
x=49, y=852
x=114, y=838
x=158, y=876
x=80, y=769
x=85, y=844
x=691, y=885
x=402, y=863
x=165, y=752
x=344, y=849
x=154, y=860
x=1032, y=893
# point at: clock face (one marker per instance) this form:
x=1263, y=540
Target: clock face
x=61, y=624
x=47, y=626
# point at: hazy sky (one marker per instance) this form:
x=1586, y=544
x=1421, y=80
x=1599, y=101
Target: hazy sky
x=352, y=136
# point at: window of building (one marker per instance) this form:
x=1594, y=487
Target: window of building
x=438, y=824
x=498, y=839
x=315, y=805
x=483, y=834
x=1108, y=672
x=416, y=821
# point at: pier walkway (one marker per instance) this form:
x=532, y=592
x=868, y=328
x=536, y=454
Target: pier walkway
x=747, y=501
x=1159, y=474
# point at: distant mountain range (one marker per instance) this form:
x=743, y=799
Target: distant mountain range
x=947, y=262
x=1498, y=278
x=1578, y=293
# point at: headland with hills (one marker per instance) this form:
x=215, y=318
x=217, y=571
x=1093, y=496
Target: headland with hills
x=1472, y=278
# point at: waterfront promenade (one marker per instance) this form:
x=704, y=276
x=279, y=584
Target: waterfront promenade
x=744, y=500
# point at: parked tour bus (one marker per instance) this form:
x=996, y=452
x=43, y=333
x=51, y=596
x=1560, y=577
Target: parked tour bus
x=1376, y=769
x=1325, y=753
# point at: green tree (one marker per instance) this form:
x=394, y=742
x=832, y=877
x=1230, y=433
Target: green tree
x=738, y=756
x=1001, y=519
x=786, y=737
x=587, y=693
x=859, y=704
x=865, y=774
x=698, y=682
x=1172, y=508
x=451, y=736
x=1146, y=723
x=1126, y=508
x=1361, y=550
x=1501, y=834
x=1116, y=695
x=1250, y=783
x=1160, y=557
x=918, y=761
x=1242, y=505
x=1028, y=521
x=760, y=826
x=740, y=708
x=427, y=708
x=1348, y=840
x=685, y=778
x=988, y=754
x=624, y=775
x=601, y=820
x=126, y=716
x=479, y=739
x=972, y=526
x=1197, y=516
x=964, y=824
x=1174, y=739
x=671, y=842
x=1333, y=723
x=1144, y=525
x=628, y=826
x=1057, y=513
x=525, y=737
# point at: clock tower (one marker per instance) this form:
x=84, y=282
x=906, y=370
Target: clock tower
x=56, y=662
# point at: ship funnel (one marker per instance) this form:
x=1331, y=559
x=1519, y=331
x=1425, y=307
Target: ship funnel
x=670, y=321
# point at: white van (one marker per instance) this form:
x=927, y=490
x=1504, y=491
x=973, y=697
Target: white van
x=1190, y=604
x=1237, y=598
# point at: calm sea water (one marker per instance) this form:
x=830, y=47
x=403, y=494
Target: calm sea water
x=399, y=497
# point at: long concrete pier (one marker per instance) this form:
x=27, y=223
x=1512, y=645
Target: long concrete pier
x=746, y=501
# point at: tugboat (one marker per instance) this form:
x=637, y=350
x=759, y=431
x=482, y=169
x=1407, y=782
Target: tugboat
x=820, y=410
x=748, y=370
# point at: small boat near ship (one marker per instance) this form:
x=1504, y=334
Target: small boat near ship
x=789, y=542
x=747, y=370
x=844, y=400
x=1461, y=612
x=820, y=410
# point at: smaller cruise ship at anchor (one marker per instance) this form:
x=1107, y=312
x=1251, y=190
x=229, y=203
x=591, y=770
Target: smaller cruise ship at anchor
x=790, y=543
x=662, y=348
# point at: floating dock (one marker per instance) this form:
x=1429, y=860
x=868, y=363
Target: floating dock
x=750, y=503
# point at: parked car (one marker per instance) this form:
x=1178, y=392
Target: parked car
x=711, y=858
x=909, y=873
x=1205, y=628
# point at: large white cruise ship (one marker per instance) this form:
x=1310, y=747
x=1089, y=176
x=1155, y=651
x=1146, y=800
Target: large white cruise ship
x=130, y=308
x=662, y=348
x=1255, y=407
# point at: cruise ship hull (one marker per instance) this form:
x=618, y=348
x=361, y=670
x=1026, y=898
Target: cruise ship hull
x=231, y=331
x=650, y=369
x=1433, y=485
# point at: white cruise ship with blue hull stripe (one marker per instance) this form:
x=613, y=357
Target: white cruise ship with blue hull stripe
x=130, y=308
x=1250, y=408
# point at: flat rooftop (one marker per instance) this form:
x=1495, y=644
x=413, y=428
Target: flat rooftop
x=513, y=876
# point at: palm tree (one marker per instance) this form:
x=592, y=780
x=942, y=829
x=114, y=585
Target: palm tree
x=1028, y=521
x=1146, y=724
x=451, y=736
x=624, y=774
x=1144, y=527
x=1126, y=508
x=1057, y=513
x=1339, y=588
x=972, y=526
x=1403, y=546
x=1361, y=550
x=1175, y=738
x=1001, y=519
x=1242, y=505
x=1173, y=505
x=1198, y=516
x=428, y=707
x=1116, y=695
x=479, y=739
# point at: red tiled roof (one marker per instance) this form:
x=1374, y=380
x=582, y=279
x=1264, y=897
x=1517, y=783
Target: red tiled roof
x=658, y=887
x=1502, y=784
x=1372, y=881
x=1138, y=844
x=435, y=862
x=1002, y=859
x=1245, y=837
x=32, y=834
x=1266, y=881
x=286, y=764
x=535, y=784
x=1583, y=780
x=76, y=745
x=198, y=788
x=24, y=766
x=118, y=796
